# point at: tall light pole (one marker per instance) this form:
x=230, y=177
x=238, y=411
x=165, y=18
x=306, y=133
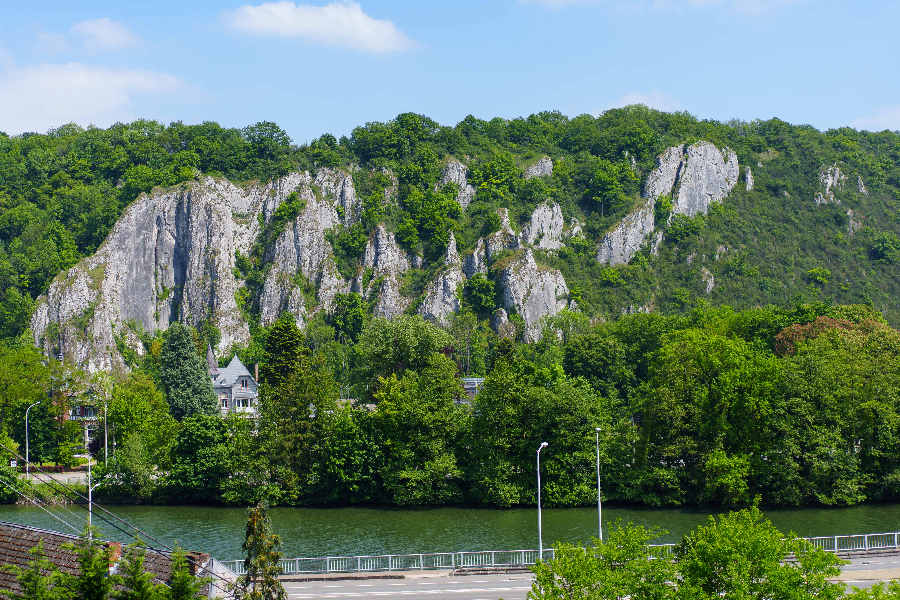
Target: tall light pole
x=599, y=505
x=540, y=539
x=105, y=435
x=27, y=471
x=91, y=487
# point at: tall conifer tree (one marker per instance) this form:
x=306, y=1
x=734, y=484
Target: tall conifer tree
x=185, y=376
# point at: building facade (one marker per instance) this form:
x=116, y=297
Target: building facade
x=235, y=387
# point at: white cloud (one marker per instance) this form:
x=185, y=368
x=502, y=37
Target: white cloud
x=884, y=117
x=38, y=97
x=105, y=34
x=339, y=24
x=653, y=99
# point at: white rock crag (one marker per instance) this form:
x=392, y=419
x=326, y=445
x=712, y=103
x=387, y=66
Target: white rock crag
x=862, y=186
x=831, y=178
x=853, y=223
x=504, y=239
x=456, y=172
x=338, y=186
x=705, y=177
x=748, y=178
x=169, y=257
x=546, y=227
x=442, y=295
x=533, y=292
x=476, y=262
x=542, y=168
x=385, y=262
x=693, y=177
x=707, y=277
x=625, y=239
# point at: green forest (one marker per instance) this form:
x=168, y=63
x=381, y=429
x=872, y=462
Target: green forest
x=781, y=383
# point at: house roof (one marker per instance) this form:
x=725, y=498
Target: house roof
x=230, y=374
x=17, y=540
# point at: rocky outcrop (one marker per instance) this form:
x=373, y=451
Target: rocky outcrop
x=300, y=249
x=862, y=187
x=476, y=262
x=442, y=295
x=456, y=172
x=748, y=178
x=625, y=239
x=575, y=229
x=169, y=257
x=707, y=277
x=501, y=325
x=831, y=178
x=384, y=264
x=546, y=227
x=532, y=292
x=338, y=186
x=504, y=239
x=705, y=176
x=693, y=177
x=853, y=223
x=542, y=168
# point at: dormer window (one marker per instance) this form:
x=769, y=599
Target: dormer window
x=244, y=383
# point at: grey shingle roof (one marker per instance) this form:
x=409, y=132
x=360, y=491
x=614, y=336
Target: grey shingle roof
x=231, y=373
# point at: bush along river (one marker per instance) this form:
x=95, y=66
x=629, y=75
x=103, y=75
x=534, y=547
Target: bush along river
x=348, y=531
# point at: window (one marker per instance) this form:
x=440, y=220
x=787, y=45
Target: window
x=224, y=402
x=244, y=383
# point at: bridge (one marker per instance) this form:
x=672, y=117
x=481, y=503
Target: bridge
x=519, y=560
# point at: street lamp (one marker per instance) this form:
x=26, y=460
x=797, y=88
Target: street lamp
x=540, y=539
x=27, y=471
x=599, y=506
x=91, y=489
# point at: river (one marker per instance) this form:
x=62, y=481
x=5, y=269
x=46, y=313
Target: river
x=387, y=530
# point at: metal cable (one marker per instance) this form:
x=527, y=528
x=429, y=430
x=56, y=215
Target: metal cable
x=22, y=494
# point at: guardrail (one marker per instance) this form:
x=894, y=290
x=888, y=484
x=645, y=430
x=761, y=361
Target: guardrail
x=500, y=559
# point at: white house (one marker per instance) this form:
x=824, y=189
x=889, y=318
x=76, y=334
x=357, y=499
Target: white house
x=234, y=386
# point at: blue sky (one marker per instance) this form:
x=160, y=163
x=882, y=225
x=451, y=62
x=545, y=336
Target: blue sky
x=327, y=67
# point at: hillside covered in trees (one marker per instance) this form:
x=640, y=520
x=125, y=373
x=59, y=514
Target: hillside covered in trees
x=743, y=347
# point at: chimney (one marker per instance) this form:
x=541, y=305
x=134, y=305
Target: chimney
x=256, y=372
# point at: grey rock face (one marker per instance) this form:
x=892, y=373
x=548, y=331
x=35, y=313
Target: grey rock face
x=693, y=177
x=300, y=249
x=546, y=227
x=575, y=229
x=704, y=177
x=441, y=297
x=748, y=176
x=862, y=186
x=168, y=258
x=853, y=223
x=625, y=239
x=662, y=179
x=505, y=239
x=501, y=325
x=476, y=262
x=456, y=172
x=387, y=263
x=338, y=185
x=707, y=277
x=831, y=178
x=533, y=292
x=542, y=168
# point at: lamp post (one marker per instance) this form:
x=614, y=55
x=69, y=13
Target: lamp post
x=27, y=471
x=540, y=539
x=105, y=435
x=91, y=486
x=599, y=505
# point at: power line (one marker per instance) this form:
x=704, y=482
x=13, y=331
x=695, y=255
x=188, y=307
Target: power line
x=30, y=499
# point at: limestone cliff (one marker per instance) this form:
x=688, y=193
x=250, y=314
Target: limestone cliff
x=504, y=239
x=384, y=263
x=831, y=178
x=542, y=168
x=442, y=295
x=456, y=172
x=546, y=227
x=693, y=177
x=531, y=291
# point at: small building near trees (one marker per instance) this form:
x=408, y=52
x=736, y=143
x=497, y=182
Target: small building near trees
x=234, y=385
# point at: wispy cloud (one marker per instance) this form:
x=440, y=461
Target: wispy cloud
x=654, y=99
x=105, y=34
x=93, y=35
x=38, y=97
x=339, y=24
x=883, y=117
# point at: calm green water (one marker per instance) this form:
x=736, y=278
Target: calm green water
x=354, y=530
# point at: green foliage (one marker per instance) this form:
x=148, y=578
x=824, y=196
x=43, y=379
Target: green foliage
x=201, y=460
x=92, y=581
x=819, y=275
x=885, y=246
x=184, y=375
x=261, y=567
x=137, y=583
x=183, y=585
x=348, y=316
x=622, y=566
x=479, y=293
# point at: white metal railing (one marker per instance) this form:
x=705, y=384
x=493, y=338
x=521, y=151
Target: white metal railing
x=499, y=559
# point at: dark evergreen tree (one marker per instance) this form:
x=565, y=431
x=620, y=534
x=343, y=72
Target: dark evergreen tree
x=185, y=376
x=136, y=581
x=40, y=580
x=285, y=349
x=93, y=581
x=183, y=585
x=263, y=548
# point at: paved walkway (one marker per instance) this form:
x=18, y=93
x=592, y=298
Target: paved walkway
x=78, y=477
